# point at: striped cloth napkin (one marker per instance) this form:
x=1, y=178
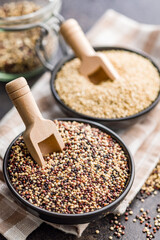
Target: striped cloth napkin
x=143, y=138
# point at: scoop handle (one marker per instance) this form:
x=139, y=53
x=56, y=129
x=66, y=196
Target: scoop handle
x=74, y=36
x=22, y=98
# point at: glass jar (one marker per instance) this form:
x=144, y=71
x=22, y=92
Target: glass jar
x=22, y=37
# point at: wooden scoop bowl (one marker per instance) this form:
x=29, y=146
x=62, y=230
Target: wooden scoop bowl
x=41, y=135
x=95, y=66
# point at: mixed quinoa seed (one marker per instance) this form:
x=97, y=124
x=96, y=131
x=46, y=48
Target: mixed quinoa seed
x=137, y=87
x=17, y=48
x=90, y=173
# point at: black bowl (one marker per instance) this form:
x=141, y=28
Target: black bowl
x=114, y=123
x=73, y=218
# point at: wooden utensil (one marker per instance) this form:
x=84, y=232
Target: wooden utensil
x=95, y=66
x=41, y=135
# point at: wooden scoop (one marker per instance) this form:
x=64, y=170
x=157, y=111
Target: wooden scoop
x=95, y=66
x=41, y=135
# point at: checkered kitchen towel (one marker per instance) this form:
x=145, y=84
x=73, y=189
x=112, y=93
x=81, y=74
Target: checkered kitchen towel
x=143, y=139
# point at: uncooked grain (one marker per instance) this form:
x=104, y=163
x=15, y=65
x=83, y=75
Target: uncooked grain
x=90, y=173
x=17, y=48
x=137, y=87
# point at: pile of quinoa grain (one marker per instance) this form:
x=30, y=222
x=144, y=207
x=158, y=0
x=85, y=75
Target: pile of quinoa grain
x=17, y=49
x=90, y=173
x=152, y=185
x=137, y=88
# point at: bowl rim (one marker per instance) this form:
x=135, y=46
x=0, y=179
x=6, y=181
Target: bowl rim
x=67, y=58
x=75, y=216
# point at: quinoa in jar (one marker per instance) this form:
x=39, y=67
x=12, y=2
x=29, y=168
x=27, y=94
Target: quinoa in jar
x=27, y=27
x=17, y=49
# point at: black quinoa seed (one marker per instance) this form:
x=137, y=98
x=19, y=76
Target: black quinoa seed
x=89, y=174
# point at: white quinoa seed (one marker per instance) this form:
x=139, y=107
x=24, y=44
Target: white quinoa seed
x=136, y=89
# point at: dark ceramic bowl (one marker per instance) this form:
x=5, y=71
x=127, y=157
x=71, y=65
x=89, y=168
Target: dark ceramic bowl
x=115, y=123
x=54, y=217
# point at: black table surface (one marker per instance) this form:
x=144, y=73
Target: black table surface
x=87, y=12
